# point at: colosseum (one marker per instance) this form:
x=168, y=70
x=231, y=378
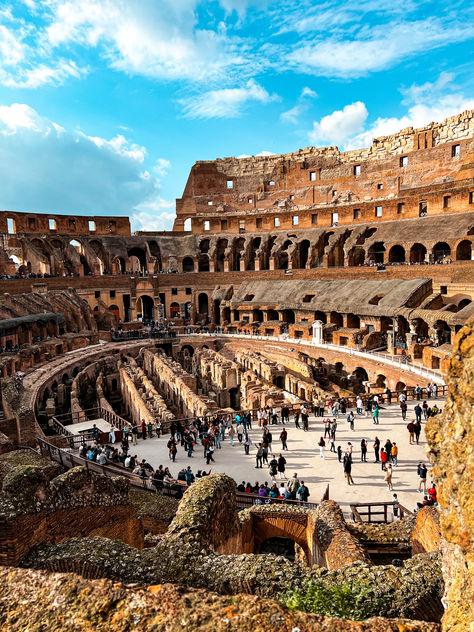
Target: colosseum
x=310, y=316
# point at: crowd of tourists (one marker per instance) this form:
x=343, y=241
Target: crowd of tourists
x=208, y=434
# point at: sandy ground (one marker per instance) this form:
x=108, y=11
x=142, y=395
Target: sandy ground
x=304, y=458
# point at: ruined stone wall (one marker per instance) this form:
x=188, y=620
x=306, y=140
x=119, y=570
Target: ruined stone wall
x=176, y=386
x=426, y=535
x=217, y=375
x=35, y=510
x=451, y=451
x=51, y=224
x=234, y=194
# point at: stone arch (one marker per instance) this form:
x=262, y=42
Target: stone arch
x=336, y=319
x=381, y=381
x=396, y=254
x=254, y=246
x=417, y=253
x=400, y=386
x=174, y=310
x=147, y=305
x=237, y=251
x=376, y=252
x=353, y=321
x=119, y=264
x=441, y=251
x=188, y=224
x=303, y=250
x=188, y=264
x=203, y=263
x=272, y=314
x=319, y=315
x=288, y=316
x=356, y=256
x=464, y=250
x=220, y=256
x=282, y=526
x=140, y=254
x=114, y=309
x=203, y=303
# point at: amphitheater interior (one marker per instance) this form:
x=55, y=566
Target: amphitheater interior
x=288, y=281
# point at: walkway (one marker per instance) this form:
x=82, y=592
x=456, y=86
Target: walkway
x=303, y=458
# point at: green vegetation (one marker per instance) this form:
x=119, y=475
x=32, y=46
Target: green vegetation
x=356, y=601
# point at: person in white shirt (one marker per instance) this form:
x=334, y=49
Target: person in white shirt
x=127, y=461
x=102, y=460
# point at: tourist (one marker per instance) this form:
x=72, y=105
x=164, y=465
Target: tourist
x=171, y=445
x=376, y=449
x=332, y=442
x=259, y=456
x=231, y=434
x=95, y=432
x=285, y=414
x=383, y=457
x=322, y=445
x=143, y=429
x=281, y=466
x=297, y=418
x=418, y=391
x=350, y=419
x=158, y=429
x=339, y=453
x=425, y=409
x=240, y=487
x=394, y=454
x=273, y=493
x=303, y=492
x=327, y=428
x=240, y=431
x=347, y=465
x=411, y=432
x=388, y=476
x=395, y=506
x=190, y=445
x=403, y=408
x=418, y=410
x=209, y=454
x=274, y=416
x=282, y=490
x=432, y=492
x=262, y=491
x=150, y=429
x=359, y=405
x=333, y=429
x=304, y=418
x=189, y=476
x=283, y=439
x=417, y=428
x=293, y=485
x=375, y=414
x=368, y=406
x=363, y=450
x=102, y=459
x=273, y=467
x=422, y=472
x=247, y=444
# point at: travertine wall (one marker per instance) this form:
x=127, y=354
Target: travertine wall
x=451, y=444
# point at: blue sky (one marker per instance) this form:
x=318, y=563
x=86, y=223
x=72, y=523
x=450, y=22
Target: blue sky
x=106, y=104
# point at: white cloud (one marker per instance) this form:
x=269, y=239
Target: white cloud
x=337, y=127
x=374, y=48
x=259, y=155
x=225, y=103
x=293, y=114
x=427, y=103
x=160, y=40
x=47, y=168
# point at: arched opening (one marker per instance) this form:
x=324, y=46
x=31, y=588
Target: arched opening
x=226, y=315
x=189, y=349
x=376, y=252
x=278, y=546
x=119, y=265
x=443, y=332
x=174, y=310
x=441, y=251
x=464, y=250
x=203, y=263
x=238, y=250
x=357, y=256
x=216, y=312
x=304, y=252
x=358, y=377
x=188, y=264
x=353, y=321
x=279, y=381
x=140, y=255
x=272, y=314
x=22, y=334
x=380, y=382
x=256, y=241
x=417, y=253
x=187, y=225
x=257, y=316
x=203, y=304
x=113, y=309
x=100, y=253
x=400, y=386
x=147, y=307
x=288, y=316
x=220, y=254
x=464, y=303
x=396, y=254
x=336, y=319
x=318, y=315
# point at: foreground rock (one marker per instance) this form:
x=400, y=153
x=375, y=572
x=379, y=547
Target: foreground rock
x=37, y=601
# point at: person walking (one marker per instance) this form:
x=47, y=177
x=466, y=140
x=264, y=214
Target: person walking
x=376, y=449
x=293, y=485
x=209, y=454
x=135, y=434
x=417, y=427
x=231, y=434
x=297, y=419
x=383, y=457
x=247, y=444
x=283, y=438
x=143, y=429
x=403, y=408
x=388, y=476
x=172, y=449
x=322, y=445
x=327, y=428
x=375, y=414
x=240, y=431
x=304, y=419
x=332, y=442
x=418, y=412
x=273, y=468
x=339, y=453
x=350, y=419
x=359, y=405
x=363, y=451
x=303, y=493
x=348, y=469
x=422, y=473
x=281, y=466
x=411, y=432
x=259, y=456
x=394, y=454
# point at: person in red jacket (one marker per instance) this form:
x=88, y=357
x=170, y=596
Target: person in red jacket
x=383, y=457
x=433, y=493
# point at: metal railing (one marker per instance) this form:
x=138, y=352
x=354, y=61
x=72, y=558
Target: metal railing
x=396, y=361
x=373, y=511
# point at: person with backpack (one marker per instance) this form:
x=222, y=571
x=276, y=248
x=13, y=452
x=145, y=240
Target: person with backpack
x=259, y=456
x=403, y=408
x=303, y=492
x=283, y=438
x=189, y=476
x=273, y=467
x=293, y=485
x=422, y=471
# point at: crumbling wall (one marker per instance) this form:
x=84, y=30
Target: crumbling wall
x=451, y=443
